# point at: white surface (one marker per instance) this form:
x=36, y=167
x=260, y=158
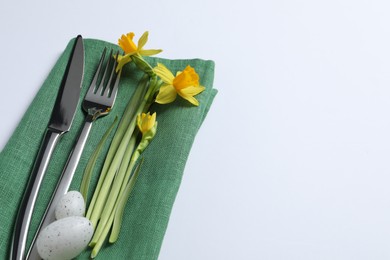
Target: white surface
x=292, y=161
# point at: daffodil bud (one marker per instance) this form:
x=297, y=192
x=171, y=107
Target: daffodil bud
x=146, y=122
x=147, y=125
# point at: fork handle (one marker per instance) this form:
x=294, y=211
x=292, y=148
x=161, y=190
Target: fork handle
x=26, y=207
x=62, y=185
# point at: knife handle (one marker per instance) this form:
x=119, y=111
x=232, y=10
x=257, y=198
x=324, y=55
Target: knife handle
x=62, y=186
x=26, y=207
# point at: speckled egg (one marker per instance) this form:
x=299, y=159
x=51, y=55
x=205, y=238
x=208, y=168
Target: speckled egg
x=71, y=204
x=65, y=238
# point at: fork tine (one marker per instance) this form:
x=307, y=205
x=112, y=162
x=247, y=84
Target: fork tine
x=116, y=84
x=103, y=90
x=109, y=91
x=100, y=90
x=92, y=88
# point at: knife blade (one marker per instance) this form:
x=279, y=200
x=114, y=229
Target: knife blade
x=60, y=122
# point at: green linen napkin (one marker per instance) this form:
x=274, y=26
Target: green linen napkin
x=149, y=207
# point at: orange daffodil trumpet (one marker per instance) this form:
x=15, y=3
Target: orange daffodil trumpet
x=186, y=84
x=127, y=44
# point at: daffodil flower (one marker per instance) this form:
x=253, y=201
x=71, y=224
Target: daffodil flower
x=130, y=48
x=146, y=122
x=186, y=84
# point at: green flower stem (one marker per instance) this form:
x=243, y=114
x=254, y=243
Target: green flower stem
x=99, y=245
x=142, y=64
x=111, y=196
x=145, y=141
x=113, y=219
x=121, y=203
x=128, y=182
x=84, y=187
x=125, y=121
x=105, y=188
x=109, y=210
x=120, y=195
x=122, y=178
x=130, y=113
x=116, y=181
x=119, y=187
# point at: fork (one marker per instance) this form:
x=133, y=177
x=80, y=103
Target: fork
x=98, y=102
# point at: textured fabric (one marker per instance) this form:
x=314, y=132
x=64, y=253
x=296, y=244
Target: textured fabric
x=148, y=209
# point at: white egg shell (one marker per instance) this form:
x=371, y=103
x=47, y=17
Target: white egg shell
x=65, y=238
x=71, y=204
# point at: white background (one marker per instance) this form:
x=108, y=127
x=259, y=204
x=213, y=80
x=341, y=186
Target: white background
x=292, y=161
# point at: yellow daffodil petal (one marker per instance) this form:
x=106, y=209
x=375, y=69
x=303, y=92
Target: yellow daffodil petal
x=122, y=60
x=192, y=90
x=189, y=93
x=127, y=44
x=167, y=94
x=189, y=98
x=149, y=52
x=142, y=40
x=188, y=77
x=164, y=73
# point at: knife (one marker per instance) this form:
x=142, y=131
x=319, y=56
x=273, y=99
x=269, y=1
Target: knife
x=59, y=123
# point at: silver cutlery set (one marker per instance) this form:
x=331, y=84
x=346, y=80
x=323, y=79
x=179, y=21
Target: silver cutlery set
x=98, y=102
